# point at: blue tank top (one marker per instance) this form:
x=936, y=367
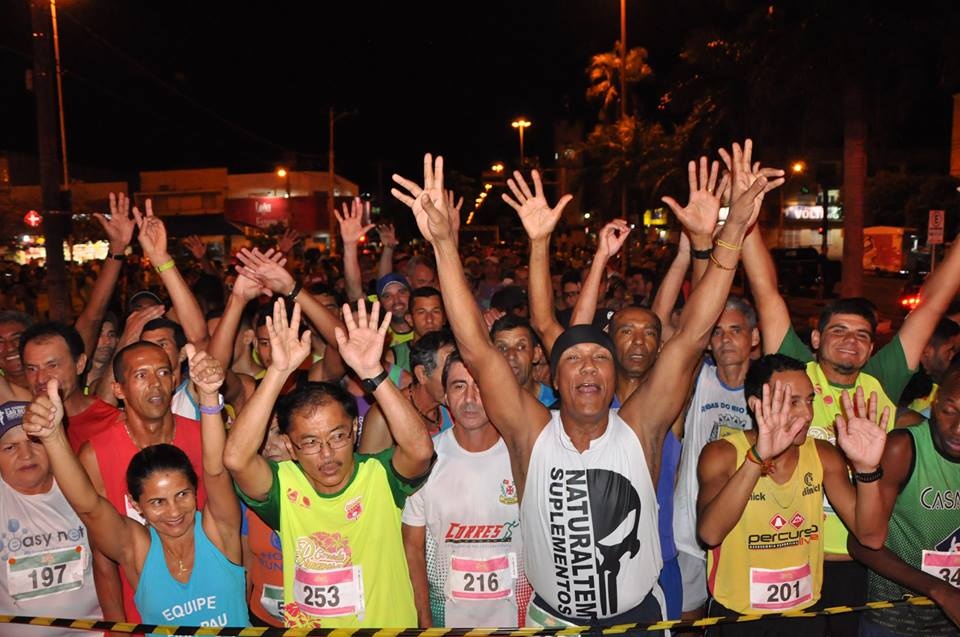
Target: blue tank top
x=214, y=596
x=669, y=461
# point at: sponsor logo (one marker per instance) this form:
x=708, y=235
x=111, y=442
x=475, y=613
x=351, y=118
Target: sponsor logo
x=949, y=544
x=353, y=508
x=797, y=520
x=479, y=533
x=940, y=500
x=300, y=500
x=808, y=479
x=758, y=496
x=778, y=522
x=783, y=538
x=508, y=492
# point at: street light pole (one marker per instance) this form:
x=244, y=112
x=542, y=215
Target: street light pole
x=520, y=124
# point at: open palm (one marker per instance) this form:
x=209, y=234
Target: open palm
x=361, y=347
x=287, y=349
x=536, y=215
x=860, y=436
x=776, y=429
x=412, y=193
x=699, y=217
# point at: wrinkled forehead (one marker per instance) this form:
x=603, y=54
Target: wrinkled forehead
x=636, y=316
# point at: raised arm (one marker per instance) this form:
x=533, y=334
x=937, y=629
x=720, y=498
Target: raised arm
x=119, y=230
x=198, y=249
x=267, y=269
x=937, y=293
x=351, y=229
x=361, y=346
x=516, y=413
x=153, y=240
x=651, y=410
x=702, y=212
x=761, y=272
x=669, y=290
x=132, y=330
x=388, y=241
x=726, y=488
x=249, y=469
x=222, y=510
x=862, y=439
x=610, y=240
x=539, y=220
x=112, y=533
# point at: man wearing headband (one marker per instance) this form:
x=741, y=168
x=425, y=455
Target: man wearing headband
x=586, y=472
x=47, y=569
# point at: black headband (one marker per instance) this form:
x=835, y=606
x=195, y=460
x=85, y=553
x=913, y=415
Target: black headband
x=574, y=336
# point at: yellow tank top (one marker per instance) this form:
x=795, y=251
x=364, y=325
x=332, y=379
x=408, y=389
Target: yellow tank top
x=826, y=406
x=772, y=560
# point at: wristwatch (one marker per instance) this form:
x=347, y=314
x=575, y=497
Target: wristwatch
x=370, y=384
x=701, y=254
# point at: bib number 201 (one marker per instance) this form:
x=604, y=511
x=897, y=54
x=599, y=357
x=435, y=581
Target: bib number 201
x=786, y=592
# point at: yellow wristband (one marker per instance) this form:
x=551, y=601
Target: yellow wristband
x=728, y=246
x=720, y=265
x=163, y=267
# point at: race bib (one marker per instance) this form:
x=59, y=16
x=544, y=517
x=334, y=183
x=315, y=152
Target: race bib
x=271, y=598
x=780, y=589
x=942, y=565
x=480, y=580
x=330, y=593
x=42, y=574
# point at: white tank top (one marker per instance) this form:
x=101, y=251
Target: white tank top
x=473, y=544
x=589, y=522
x=45, y=564
x=715, y=411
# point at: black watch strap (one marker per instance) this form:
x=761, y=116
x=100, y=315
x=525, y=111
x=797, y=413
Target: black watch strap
x=701, y=254
x=869, y=477
x=119, y=256
x=370, y=384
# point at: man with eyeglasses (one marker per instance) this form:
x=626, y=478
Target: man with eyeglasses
x=337, y=512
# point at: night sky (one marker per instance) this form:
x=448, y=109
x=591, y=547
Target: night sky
x=248, y=85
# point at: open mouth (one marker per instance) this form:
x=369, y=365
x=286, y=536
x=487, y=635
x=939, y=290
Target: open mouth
x=588, y=388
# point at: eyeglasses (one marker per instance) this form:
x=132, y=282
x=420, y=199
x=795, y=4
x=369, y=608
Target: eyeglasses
x=311, y=446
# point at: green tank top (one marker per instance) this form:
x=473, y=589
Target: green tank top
x=926, y=518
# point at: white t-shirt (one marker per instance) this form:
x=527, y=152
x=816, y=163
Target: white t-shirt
x=473, y=543
x=590, y=522
x=45, y=564
x=715, y=411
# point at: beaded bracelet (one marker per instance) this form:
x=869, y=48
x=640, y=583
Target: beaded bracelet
x=766, y=466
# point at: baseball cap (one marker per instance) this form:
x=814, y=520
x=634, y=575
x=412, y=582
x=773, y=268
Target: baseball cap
x=11, y=415
x=142, y=294
x=389, y=279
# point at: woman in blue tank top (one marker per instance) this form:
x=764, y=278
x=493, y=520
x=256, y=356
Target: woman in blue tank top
x=184, y=565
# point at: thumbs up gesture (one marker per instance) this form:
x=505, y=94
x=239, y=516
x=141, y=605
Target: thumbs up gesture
x=44, y=417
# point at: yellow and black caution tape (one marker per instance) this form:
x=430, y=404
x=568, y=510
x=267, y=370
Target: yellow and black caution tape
x=564, y=631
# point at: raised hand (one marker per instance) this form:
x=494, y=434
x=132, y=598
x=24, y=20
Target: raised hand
x=119, y=227
x=287, y=350
x=351, y=222
x=196, y=246
x=702, y=211
x=388, y=235
x=440, y=225
x=206, y=372
x=153, y=234
x=432, y=188
x=362, y=346
x=491, y=316
x=776, y=430
x=246, y=288
x=860, y=435
x=454, y=207
x=266, y=268
x=538, y=218
x=133, y=327
x=611, y=238
x=43, y=418
x=743, y=174
x=288, y=240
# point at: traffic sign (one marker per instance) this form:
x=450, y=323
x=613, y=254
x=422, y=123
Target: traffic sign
x=935, y=227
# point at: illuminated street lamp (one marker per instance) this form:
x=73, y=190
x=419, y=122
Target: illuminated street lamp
x=520, y=124
x=798, y=167
x=497, y=167
x=284, y=174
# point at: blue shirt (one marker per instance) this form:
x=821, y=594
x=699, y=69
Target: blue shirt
x=215, y=595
